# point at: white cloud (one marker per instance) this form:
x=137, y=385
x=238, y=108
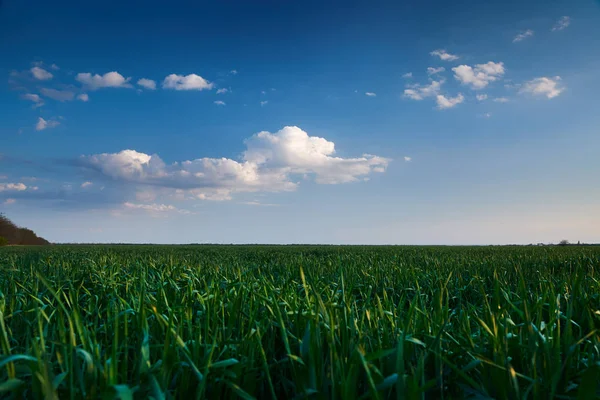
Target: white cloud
x=272, y=162
x=444, y=55
x=15, y=187
x=523, y=35
x=543, y=86
x=43, y=124
x=54, y=67
x=222, y=91
x=479, y=76
x=407, y=75
x=154, y=208
x=147, y=83
x=263, y=103
x=86, y=184
x=419, y=92
x=32, y=97
x=482, y=97
x=188, y=82
x=219, y=102
x=257, y=203
x=407, y=159
x=58, y=95
x=487, y=115
x=83, y=97
x=501, y=100
x=9, y=201
x=448, y=102
x=562, y=23
x=41, y=74
x=370, y=94
x=108, y=80
x=233, y=72
x=433, y=71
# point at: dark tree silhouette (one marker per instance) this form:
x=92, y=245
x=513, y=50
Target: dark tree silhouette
x=17, y=235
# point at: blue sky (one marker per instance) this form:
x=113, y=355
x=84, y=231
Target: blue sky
x=301, y=122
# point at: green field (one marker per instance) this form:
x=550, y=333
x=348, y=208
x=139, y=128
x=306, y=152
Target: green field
x=319, y=322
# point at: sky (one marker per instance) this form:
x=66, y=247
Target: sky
x=383, y=122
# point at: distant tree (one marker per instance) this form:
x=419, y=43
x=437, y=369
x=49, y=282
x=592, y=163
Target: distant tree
x=3, y=241
x=563, y=242
x=16, y=235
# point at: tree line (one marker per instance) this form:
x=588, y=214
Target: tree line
x=15, y=235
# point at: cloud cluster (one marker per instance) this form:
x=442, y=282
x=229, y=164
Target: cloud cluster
x=480, y=76
x=419, y=92
x=187, y=82
x=270, y=163
x=543, y=86
x=444, y=55
x=108, y=80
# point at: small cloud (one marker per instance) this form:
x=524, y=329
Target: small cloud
x=444, y=55
x=273, y=89
x=233, y=72
x=9, y=201
x=14, y=187
x=259, y=204
x=262, y=103
x=523, y=35
x=562, y=23
x=86, y=184
x=108, y=80
x=54, y=67
x=482, y=97
x=263, y=92
x=543, y=86
x=433, y=71
x=407, y=159
x=83, y=97
x=58, y=95
x=35, y=98
x=147, y=83
x=486, y=115
x=41, y=74
x=501, y=100
x=449, y=102
x=219, y=103
x=407, y=75
x=187, y=82
x=370, y=94
x=154, y=208
x=43, y=124
x=222, y=91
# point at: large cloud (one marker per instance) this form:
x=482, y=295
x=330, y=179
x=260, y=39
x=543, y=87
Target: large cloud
x=480, y=76
x=272, y=162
